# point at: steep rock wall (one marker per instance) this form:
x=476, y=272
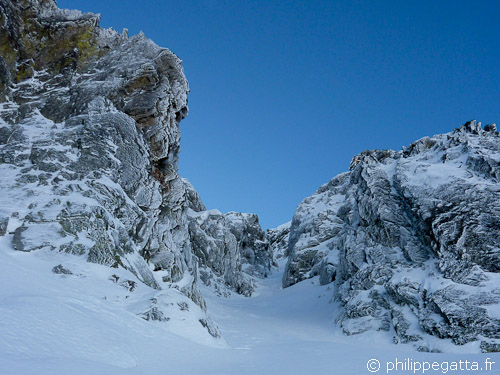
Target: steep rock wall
x=278, y=239
x=231, y=249
x=89, y=145
x=410, y=240
x=89, y=142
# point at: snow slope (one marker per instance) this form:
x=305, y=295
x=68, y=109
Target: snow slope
x=83, y=323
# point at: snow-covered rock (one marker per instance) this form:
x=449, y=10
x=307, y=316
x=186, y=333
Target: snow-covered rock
x=410, y=239
x=89, y=144
x=278, y=241
x=231, y=249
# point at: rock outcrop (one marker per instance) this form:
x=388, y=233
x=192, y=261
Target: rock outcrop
x=89, y=144
x=278, y=241
x=231, y=249
x=410, y=239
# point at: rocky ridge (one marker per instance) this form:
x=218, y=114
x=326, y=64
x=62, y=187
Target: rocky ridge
x=409, y=240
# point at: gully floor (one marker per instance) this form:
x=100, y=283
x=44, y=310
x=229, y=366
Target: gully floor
x=52, y=324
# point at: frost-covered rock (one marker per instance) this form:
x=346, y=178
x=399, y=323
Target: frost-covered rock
x=193, y=199
x=278, y=241
x=232, y=250
x=89, y=145
x=410, y=239
x=59, y=269
x=89, y=142
x=252, y=243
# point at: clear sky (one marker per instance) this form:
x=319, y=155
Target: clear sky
x=285, y=93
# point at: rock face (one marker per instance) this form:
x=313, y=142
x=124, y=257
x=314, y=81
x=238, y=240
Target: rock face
x=410, y=239
x=89, y=144
x=231, y=249
x=278, y=241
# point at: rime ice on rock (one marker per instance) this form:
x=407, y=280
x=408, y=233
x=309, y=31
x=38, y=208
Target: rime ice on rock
x=410, y=239
x=89, y=145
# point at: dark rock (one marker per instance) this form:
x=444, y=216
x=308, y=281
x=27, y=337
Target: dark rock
x=60, y=270
x=130, y=285
x=17, y=239
x=491, y=128
x=154, y=313
x=4, y=222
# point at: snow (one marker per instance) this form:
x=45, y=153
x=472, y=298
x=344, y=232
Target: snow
x=435, y=168
x=85, y=324
x=204, y=214
x=283, y=226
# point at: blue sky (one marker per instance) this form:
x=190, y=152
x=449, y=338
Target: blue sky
x=285, y=93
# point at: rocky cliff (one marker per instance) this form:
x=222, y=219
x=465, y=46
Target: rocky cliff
x=231, y=249
x=278, y=239
x=410, y=240
x=89, y=144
